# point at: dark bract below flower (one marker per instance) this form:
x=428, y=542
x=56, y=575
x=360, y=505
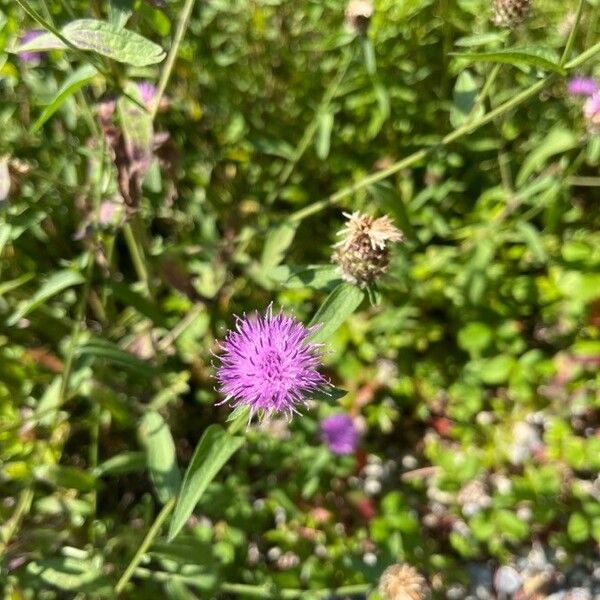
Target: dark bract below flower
x=268, y=364
x=340, y=434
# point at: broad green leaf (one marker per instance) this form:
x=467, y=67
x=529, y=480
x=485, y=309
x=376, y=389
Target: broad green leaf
x=465, y=94
x=68, y=573
x=526, y=56
x=578, y=528
x=338, y=306
x=277, y=242
x=161, y=456
x=323, y=138
x=102, y=37
x=474, y=337
x=559, y=140
x=74, y=82
x=55, y=284
x=497, y=370
x=105, y=350
x=121, y=464
x=65, y=477
x=214, y=449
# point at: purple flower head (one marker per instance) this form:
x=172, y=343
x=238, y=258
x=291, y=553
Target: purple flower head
x=147, y=92
x=29, y=36
x=268, y=364
x=591, y=112
x=582, y=86
x=340, y=434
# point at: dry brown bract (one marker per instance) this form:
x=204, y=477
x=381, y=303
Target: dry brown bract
x=403, y=582
x=508, y=13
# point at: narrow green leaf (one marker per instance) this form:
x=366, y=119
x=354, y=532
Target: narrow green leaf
x=54, y=284
x=161, y=456
x=121, y=464
x=105, y=350
x=465, y=94
x=65, y=477
x=323, y=139
x=277, y=242
x=72, y=84
x=69, y=574
x=338, y=306
x=526, y=56
x=578, y=528
x=102, y=37
x=214, y=449
x=557, y=141
x=310, y=276
x=119, y=12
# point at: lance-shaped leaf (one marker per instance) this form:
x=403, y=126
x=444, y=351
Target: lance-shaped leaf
x=214, y=449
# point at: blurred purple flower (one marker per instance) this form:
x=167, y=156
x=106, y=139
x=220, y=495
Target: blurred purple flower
x=29, y=36
x=340, y=434
x=147, y=92
x=582, y=86
x=268, y=364
x=591, y=112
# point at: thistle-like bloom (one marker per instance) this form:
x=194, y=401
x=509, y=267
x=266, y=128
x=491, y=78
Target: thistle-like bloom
x=582, y=86
x=268, y=364
x=509, y=13
x=29, y=36
x=363, y=253
x=147, y=92
x=403, y=582
x=591, y=112
x=340, y=434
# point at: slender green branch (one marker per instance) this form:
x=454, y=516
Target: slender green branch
x=182, y=25
x=458, y=133
x=572, y=34
x=310, y=130
x=137, y=255
x=148, y=540
x=9, y=528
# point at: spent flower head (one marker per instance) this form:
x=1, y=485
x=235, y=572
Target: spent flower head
x=340, y=433
x=509, y=13
x=403, y=582
x=582, y=86
x=269, y=364
x=363, y=253
x=358, y=15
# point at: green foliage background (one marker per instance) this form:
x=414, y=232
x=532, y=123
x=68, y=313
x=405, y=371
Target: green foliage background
x=477, y=359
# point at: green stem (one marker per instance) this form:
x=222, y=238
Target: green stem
x=289, y=594
x=182, y=25
x=12, y=525
x=137, y=255
x=572, y=33
x=148, y=540
x=310, y=130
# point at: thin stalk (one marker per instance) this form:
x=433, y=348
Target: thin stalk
x=310, y=130
x=491, y=78
x=137, y=255
x=572, y=34
x=148, y=540
x=182, y=25
x=451, y=137
x=11, y=526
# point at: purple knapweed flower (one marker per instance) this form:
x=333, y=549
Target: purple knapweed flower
x=591, y=112
x=268, y=364
x=340, y=434
x=29, y=36
x=582, y=86
x=147, y=92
